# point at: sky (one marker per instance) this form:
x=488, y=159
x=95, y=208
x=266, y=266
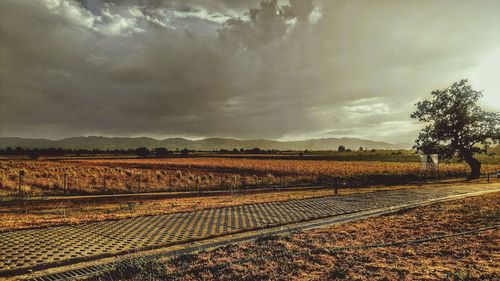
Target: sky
x=243, y=69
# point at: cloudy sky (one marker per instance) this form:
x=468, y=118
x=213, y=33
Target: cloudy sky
x=238, y=68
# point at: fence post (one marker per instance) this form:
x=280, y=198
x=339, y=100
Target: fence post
x=198, y=185
x=488, y=176
x=21, y=175
x=139, y=183
x=438, y=168
x=336, y=185
x=104, y=183
x=65, y=186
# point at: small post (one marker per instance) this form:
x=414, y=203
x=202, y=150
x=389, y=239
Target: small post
x=139, y=183
x=336, y=186
x=438, y=169
x=262, y=182
x=65, y=185
x=488, y=176
x=198, y=185
x=170, y=180
x=104, y=183
x=21, y=175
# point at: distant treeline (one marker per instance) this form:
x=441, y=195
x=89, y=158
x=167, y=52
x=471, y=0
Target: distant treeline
x=141, y=152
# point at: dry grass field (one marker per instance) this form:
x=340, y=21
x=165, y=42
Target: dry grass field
x=326, y=253
x=277, y=167
x=93, y=176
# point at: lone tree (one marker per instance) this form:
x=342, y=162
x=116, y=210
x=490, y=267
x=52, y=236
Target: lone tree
x=456, y=125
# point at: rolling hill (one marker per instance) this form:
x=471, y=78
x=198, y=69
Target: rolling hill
x=96, y=142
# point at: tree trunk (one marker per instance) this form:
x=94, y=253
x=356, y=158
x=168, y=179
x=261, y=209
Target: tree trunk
x=475, y=167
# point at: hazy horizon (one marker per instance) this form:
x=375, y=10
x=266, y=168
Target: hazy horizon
x=209, y=144
x=285, y=70
x=198, y=139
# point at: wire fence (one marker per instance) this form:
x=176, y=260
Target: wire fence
x=28, y=183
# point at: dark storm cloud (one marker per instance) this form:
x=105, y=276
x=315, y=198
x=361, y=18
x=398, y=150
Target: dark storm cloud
x=232, y=68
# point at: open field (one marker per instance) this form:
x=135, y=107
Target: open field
x=356, y=251
x=98, y=176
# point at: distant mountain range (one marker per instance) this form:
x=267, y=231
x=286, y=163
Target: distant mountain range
x=103, y=143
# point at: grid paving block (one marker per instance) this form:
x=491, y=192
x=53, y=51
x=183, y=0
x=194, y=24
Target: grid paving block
x=49, y=246
x=136, y=232
x=20, y=249
x=261, y=215
x=290, y=211
x=314, y=208
x=237, y=218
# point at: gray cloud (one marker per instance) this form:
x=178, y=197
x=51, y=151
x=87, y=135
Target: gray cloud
x=244, y=69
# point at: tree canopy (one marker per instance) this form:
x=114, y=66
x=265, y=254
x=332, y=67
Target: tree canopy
x=456, y=126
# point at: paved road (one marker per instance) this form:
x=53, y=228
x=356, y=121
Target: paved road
x=53, y=246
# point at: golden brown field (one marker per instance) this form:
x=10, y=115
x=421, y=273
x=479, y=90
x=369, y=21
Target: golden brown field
x=88, y=177
x=92, y=176
x=277, y=167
